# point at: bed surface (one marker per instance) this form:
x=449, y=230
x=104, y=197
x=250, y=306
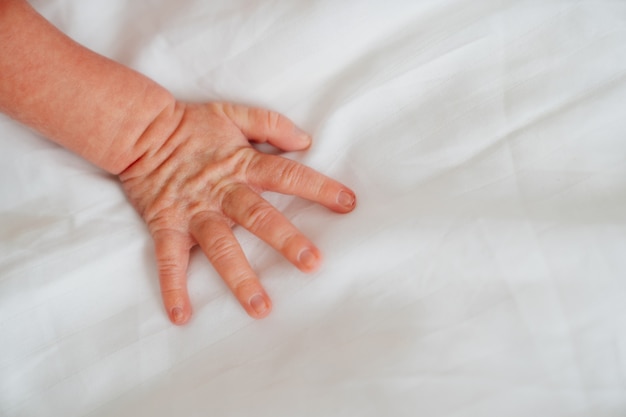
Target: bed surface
x=483, y=272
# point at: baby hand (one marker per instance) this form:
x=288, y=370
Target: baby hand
x=205, y=177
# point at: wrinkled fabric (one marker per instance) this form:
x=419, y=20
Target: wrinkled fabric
x=482, y=273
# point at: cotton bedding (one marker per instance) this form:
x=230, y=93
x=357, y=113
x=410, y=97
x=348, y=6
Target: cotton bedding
x=483, y=272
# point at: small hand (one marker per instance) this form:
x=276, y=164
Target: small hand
x=206, y=177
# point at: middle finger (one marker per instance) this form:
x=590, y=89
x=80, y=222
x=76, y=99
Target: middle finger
x=219, y=244
x=253, y=212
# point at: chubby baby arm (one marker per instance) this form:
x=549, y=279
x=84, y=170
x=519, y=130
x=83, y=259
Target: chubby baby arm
x=188, y=169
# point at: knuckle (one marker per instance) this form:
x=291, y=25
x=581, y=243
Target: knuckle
x=259, y=216
x=161, y=206
x=238, y=162
x=273, y=120
x=290, y=173
x=244, y=285
x=318, y=188
x=290, y=239
x=172, y=292
x=166, y=223
x=169, y=269
x=221, y=249
x=171, y=277
x=241, y=160
x=234, y=169
x=228, y=196
x=222, y=109
x=219, y=107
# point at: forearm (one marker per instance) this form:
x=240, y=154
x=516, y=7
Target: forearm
x=77, y=98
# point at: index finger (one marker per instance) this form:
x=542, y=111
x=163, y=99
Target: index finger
x=282, y=175
x=261, y=125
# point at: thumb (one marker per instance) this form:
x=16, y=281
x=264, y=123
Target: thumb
x=266, y=126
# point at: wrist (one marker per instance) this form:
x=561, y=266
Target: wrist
x=147, y=123
x=154, y=143
x=83, y=101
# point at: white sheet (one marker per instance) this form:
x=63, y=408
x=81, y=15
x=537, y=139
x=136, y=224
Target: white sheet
x=482, y=273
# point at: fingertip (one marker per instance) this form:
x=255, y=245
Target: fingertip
x=302, y=140
x=346, y=199
x=178, y=309
x=259, y=306
x=309, y=259
x=179, y=316
x=290, y=139
x=267, y=126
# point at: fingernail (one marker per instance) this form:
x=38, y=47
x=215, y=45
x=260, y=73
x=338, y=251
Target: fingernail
x=307, y=258
x=177, y=314
x=258, y=304
x=305, y=137
x=345, y=199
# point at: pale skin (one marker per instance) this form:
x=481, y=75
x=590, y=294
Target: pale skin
x=189, y=169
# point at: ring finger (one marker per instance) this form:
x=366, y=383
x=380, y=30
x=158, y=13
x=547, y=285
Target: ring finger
x=253, y=212
x=215, y=237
